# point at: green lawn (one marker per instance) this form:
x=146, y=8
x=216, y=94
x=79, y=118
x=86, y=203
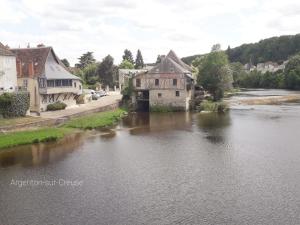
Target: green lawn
x=34, y=136
x=96, y=120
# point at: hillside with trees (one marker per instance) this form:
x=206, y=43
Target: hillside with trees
x=275, y=49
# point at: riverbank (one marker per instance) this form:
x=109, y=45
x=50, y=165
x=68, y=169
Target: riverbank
x=97, y=120
x=264, y=100
x=55, y=118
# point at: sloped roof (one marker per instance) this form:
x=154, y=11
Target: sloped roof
x=36, y=55
x=54, y=69
x=5, y=51
x=173, y=56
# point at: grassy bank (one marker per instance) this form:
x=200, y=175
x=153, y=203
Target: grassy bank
x=33, y=136
x=102, y=119
x=210, y=106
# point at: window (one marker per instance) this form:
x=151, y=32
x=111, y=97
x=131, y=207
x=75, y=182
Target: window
x=79, y=87
x=174, y=82
x=75, y=84
x=156, y=82
x=177, y=93
x=25, y=83
x=159, y=95
x=57, y=83
x=50, y=83
x=138, y=82
x=67, y=83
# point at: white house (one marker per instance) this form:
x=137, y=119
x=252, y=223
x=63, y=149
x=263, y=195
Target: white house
x=8, y=71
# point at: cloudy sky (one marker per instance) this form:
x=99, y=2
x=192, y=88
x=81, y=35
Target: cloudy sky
x=189, y=27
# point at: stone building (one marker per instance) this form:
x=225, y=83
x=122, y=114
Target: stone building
x=169, y=84
x=42, y=73
x=8, y=73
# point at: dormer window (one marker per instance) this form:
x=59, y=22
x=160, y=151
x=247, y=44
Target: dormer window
x=156, y=82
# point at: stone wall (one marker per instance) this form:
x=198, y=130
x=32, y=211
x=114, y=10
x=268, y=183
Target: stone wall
x=168, y=98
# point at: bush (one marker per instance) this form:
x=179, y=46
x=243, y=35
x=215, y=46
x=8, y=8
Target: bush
x=56, y=106
x=210, y=106
x=14, y=104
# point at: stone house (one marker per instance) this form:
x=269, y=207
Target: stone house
x=168, y=84
x=126, y=74
x=8, y=72
x=42, y=73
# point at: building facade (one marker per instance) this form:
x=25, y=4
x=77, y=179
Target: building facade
x=168, y=84
x=8, y=72
x=42, y=73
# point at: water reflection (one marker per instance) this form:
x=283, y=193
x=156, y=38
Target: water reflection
x=139, y=123
x=42, y=153
x=213, y=125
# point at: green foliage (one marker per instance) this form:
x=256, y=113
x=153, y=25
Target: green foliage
x=127, y=91
x=89, y=73
x=14, y=104
x=28, y=137
x=96, y=120
x=85, y=59
x=214, y=74
x=65, y=62
x=125, y=64
x=210, y=106
x=106, y=71
x=275, y=49
x=128, y=56
x=292, y=73
x=56, y=106
x=256, y=79
x=139, y=62
x=238, y=73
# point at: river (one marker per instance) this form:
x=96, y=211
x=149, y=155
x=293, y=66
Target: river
x=162, y=168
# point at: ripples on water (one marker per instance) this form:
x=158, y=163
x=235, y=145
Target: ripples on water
x=177, y=168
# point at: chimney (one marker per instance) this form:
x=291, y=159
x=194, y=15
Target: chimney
x=30, y=70
x=28, y=45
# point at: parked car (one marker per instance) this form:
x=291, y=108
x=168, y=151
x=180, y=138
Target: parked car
x=101, y=93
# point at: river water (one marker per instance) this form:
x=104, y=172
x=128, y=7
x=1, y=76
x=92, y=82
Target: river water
x=176, y=168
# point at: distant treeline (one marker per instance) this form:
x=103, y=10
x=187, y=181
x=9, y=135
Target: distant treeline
x=275, y=49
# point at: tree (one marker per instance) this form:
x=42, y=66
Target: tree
x=292, y=73
x=125, y=64
x=90, y=73
x=65, y=62
x=128, y=56
x=85, y=59
x=139, y=62
x=238, y=73
x=215, y=74
x=216, y=48
x=106, y=70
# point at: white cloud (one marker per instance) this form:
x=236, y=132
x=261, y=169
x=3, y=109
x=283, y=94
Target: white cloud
x=155, y=26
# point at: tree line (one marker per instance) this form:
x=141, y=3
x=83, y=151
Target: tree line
x=216, y=74
x=105, y=72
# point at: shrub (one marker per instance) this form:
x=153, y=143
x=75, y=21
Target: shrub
x=212, y=106
x=56, y=106
x=14, y=104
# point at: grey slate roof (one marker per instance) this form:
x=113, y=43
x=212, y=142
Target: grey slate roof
x=4, y=51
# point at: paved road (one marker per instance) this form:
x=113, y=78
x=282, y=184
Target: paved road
x=103, y=101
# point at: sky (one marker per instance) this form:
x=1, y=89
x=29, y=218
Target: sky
x=73, y=27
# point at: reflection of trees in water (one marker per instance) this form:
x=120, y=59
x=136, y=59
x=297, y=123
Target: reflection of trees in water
x=41, y=153
x=150, y=122
x=214, y=124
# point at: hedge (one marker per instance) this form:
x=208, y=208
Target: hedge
x=56, y=106
x=14, y=104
